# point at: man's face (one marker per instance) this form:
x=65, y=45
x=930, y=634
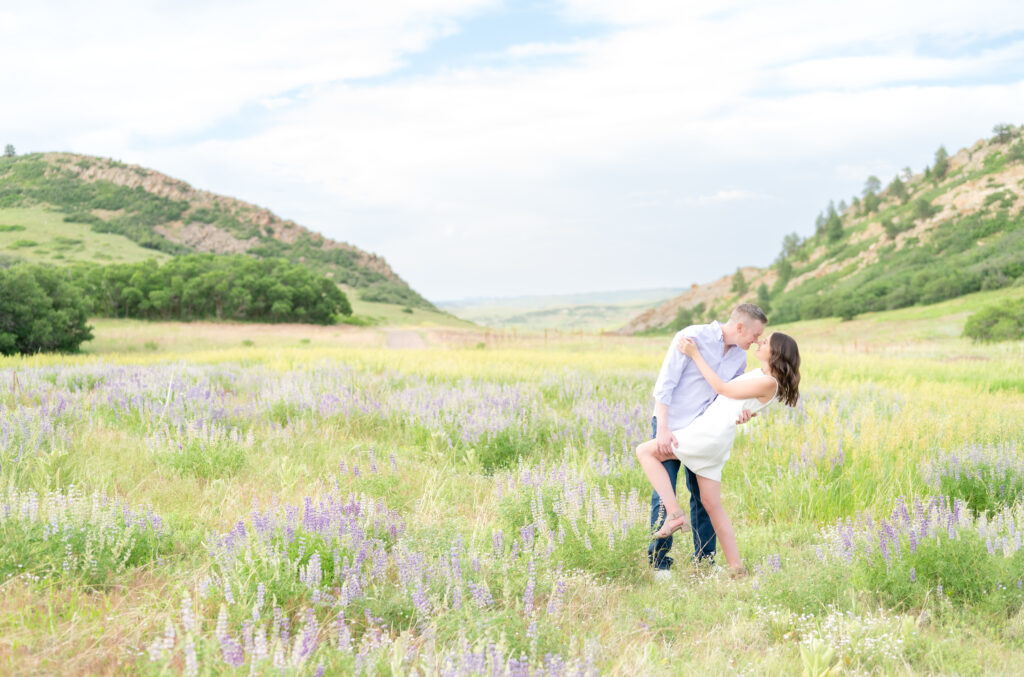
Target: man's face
x=748, y=332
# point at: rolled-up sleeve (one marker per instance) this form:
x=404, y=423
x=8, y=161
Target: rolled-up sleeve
x=672, y=368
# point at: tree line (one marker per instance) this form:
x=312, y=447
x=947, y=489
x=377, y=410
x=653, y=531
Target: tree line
x=45, y=309
x=211, y=286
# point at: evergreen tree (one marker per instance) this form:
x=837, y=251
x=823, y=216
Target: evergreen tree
x=1003, y=133
x=790, y=244
x=898, y=190
x=739, y=283
x=764, y=297
x=9, y=151
x=941, y=165
x=872, y=185
x=834, y=226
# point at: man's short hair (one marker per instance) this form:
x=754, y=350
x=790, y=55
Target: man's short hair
x=748, y=311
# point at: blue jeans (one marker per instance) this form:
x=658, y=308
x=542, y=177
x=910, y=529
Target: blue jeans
x=704, y=541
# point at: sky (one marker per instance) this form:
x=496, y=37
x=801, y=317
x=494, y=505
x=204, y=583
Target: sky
x=490, y=149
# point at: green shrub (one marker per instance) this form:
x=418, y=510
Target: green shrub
x=11, y=229
x=83, y=217
x=40, y=311
x=1015, y=153
x=923, y=209
x=1001, y=322
x=684, y=318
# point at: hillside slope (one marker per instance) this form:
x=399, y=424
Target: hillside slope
x=953, y=229
x=162, y=214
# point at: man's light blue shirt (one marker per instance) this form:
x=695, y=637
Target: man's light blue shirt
x=680, y=384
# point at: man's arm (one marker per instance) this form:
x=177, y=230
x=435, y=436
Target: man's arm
x=668, y=378
x=671, y=370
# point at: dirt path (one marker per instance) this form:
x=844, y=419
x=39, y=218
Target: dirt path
x=404, y=339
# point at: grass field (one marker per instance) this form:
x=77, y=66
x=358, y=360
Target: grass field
x=395, y=315
x=39, y=235
x=266, y=499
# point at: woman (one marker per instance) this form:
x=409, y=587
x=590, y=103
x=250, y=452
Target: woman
x=704, y=445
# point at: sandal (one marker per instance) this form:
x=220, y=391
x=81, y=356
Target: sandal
x=685, y=524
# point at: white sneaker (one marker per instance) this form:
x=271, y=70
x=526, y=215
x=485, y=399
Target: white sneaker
x=663, y=575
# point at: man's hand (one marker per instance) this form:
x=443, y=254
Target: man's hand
x=667, y=442
x=744, y=416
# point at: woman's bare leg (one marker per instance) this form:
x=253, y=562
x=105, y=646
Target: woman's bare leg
x=647, y=454
x=711, y=498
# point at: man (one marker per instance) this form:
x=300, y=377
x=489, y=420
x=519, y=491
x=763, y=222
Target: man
x=681, y=394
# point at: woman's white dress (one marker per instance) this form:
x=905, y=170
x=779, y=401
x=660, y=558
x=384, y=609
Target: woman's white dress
x=704, y=445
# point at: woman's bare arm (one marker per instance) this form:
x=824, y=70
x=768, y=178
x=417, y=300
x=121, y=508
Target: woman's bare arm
x=737, y=390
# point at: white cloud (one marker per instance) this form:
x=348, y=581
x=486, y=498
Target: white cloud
x=585, y=172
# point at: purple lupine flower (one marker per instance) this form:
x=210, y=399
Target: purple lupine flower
x=419, y=600
x=531, y=583
x=191, y=662
x=555, y=600
x=231, y=651
x=344, y=636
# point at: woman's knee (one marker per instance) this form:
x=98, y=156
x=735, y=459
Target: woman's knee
x=642, y=451
x=710, y=502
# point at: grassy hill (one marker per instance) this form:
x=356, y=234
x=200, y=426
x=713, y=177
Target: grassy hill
x=41, y=235
x=953, y=229
x=60, y=207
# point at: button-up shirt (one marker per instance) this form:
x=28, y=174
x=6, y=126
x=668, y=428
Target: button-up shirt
x=680, y=384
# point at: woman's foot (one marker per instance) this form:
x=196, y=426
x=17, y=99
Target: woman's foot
x=673, y=523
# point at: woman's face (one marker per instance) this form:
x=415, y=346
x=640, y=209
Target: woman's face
x=763, y=350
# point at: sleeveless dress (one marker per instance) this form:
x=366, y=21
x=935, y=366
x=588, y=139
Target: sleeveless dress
x=704, y=445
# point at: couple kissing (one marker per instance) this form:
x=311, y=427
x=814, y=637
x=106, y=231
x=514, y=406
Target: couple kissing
x=702, y=393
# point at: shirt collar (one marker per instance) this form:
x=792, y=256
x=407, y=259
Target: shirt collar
x=719, y=336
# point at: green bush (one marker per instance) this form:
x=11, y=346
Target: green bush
x=40, y=311
x=923, y=209
x=1002, y=322
x=684, y=318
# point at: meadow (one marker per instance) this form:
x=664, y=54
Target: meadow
x=211, y=499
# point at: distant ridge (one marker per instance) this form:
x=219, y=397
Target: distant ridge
x=953, y=229
x=168, y=215
x=590, y=311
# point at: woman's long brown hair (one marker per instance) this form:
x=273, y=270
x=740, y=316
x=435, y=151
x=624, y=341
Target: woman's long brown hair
x=784, y=364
